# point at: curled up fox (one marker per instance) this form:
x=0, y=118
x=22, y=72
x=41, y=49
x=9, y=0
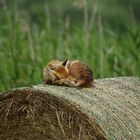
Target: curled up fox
x=69, y=73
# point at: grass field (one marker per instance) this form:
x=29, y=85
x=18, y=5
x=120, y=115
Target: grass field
x=26, y=47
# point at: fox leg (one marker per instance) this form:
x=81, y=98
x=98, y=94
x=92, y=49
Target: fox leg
x=72, y=83
x=64, y=81
x=68, y=82
x=60, y=82
x=81, y=83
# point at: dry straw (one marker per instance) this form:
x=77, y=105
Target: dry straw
x=109, y=111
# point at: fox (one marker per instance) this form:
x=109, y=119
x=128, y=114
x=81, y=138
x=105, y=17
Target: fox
x=73, y=73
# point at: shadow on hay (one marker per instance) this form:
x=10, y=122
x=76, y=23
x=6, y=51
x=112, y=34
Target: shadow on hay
x=26, y=114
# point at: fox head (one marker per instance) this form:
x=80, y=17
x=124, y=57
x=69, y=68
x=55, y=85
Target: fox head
x=58, y=69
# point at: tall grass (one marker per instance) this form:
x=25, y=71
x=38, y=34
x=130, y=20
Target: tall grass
x=26, y=47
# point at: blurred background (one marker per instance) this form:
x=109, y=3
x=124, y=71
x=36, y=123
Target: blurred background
x=105, y=34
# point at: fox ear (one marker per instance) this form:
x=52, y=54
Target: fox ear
x=50, y=69
x=65, y=62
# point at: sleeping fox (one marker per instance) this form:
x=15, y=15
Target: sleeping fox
x=69, y=73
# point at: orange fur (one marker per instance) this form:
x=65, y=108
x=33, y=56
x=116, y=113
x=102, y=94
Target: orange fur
x=69, y=73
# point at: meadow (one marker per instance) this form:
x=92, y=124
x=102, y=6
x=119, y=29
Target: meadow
x=28, y=41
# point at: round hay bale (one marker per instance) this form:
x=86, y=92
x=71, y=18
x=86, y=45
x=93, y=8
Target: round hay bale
x=110, y=111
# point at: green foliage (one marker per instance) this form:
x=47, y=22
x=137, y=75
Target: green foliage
x=27, y=46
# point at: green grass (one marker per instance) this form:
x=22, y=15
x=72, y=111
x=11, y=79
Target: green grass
x=26, y=47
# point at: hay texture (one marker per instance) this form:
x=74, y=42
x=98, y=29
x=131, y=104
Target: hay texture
x=109, y=111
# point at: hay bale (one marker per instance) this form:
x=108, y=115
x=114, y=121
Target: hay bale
x=110, y=111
